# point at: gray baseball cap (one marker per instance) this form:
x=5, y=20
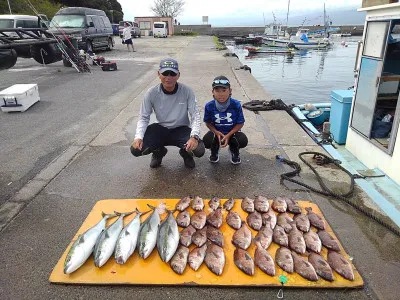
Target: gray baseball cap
x=169, y=64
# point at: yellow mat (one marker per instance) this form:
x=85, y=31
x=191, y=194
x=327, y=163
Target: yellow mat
x=155, y=272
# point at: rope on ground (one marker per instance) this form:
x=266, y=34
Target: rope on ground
x=256, y=105
x=322, y=159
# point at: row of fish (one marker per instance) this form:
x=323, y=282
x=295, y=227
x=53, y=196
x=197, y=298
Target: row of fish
x=203, y=231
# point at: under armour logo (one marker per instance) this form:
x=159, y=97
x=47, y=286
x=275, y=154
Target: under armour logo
x=227, y=118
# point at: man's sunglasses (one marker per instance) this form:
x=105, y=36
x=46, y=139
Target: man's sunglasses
x=169, y=73
x=221, y=81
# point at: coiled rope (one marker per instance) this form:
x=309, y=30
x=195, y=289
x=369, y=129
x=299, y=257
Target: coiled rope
x=322, y=159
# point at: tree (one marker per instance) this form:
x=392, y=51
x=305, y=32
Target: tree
x=168, y=8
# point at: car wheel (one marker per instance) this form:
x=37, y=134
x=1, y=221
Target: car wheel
x=89, y=46
x=110, y=44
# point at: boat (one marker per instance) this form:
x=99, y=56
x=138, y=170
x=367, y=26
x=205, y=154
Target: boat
x=258, y=50
x=364, y=121
x=302, y=43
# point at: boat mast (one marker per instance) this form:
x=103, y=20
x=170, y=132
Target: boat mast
x=287, y=15
x=325, y=26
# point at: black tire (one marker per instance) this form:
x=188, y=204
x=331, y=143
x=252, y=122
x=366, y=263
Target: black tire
x=23, y=51
x=110, y=44
x=8, y=58
x=46, y=53
x=67, y=63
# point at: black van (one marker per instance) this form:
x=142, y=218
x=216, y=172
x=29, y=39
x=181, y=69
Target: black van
x=91, y=27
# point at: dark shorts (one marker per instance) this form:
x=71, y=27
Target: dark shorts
x=157, y=136
x=238, y=139
x=128, y=42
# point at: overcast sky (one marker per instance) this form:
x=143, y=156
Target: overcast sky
x=227, y=13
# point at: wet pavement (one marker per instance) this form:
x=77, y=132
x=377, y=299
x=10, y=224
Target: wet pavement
x=90, y=161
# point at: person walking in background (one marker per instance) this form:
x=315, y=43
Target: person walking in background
x=224, y=118
x=172, y=104
x=127, y=37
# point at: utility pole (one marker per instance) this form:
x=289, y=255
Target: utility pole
x=9, y=7
x=112, y=16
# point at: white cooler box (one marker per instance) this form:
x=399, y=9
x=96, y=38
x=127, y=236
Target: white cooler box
x=19, y=97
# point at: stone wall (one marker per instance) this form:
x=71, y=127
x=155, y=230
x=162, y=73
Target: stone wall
x=224, y=32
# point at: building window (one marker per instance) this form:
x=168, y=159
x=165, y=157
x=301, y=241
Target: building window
x=145, y=25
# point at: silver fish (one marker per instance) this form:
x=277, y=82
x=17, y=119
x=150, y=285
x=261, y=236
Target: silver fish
x=292, y=206
x=199, y=238
x=280, y=237
x=264, y=261
x=243, y=261
x=198, y=220
x=302, y=222
x=215, y=236
x=196, y=257
x=179, y=260
x=254, y=220
x=242, y=237
x=183, y=203
x=183, y=219
x=284, y=259
x=214, y=203
x=186, y=235
x=321, y=266
x=340, y=265
x=233, y=219
x=197, y=203
x=261, y=204
x=296, y=240
x=127, y=240
x=215, y=218
x=215, y=258
x=269, y=219
x=248, y=204
x=312, y=241
x=228, y=205
x=284, y=220
x=168, y=237
x=328, y=241
x=148, y=234
x=105, y=245
x=315, y=220
x=304, y=268
x=264, y=237
x=83, y=246
x=279, y=205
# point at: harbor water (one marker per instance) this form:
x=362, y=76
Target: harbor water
x=309, y=76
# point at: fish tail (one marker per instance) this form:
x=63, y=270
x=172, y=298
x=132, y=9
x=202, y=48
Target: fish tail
x=151, y=206
x=104, y=215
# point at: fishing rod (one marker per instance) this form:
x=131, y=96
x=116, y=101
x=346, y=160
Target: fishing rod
x=79, y=64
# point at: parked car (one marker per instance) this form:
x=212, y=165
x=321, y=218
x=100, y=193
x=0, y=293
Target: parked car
x=135, y=32
x=90, y=27
x=160, y=29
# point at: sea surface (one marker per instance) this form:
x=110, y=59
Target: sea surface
x=307, y=77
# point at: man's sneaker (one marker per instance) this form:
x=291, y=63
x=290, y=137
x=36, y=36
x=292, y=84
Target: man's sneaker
x=235, y=157
x=157, y=156
x=214, y=158
x=187, y=159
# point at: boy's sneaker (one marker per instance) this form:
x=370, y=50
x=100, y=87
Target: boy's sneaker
x=187, y=158
x=214, y=158
x=235, y=157
x=157, y=156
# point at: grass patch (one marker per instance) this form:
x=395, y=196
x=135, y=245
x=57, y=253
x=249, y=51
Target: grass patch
x=186, y=33
x=219, y=45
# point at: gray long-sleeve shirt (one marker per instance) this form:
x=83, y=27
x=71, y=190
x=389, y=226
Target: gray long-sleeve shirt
x=172, y=110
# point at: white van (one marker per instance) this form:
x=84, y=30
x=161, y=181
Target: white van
x=21, y=21
x=160, y=29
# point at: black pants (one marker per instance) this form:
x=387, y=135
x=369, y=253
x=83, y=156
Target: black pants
x=157, y=136
x=237, y=140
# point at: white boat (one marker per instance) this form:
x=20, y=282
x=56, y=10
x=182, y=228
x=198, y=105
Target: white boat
x=298, y=43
